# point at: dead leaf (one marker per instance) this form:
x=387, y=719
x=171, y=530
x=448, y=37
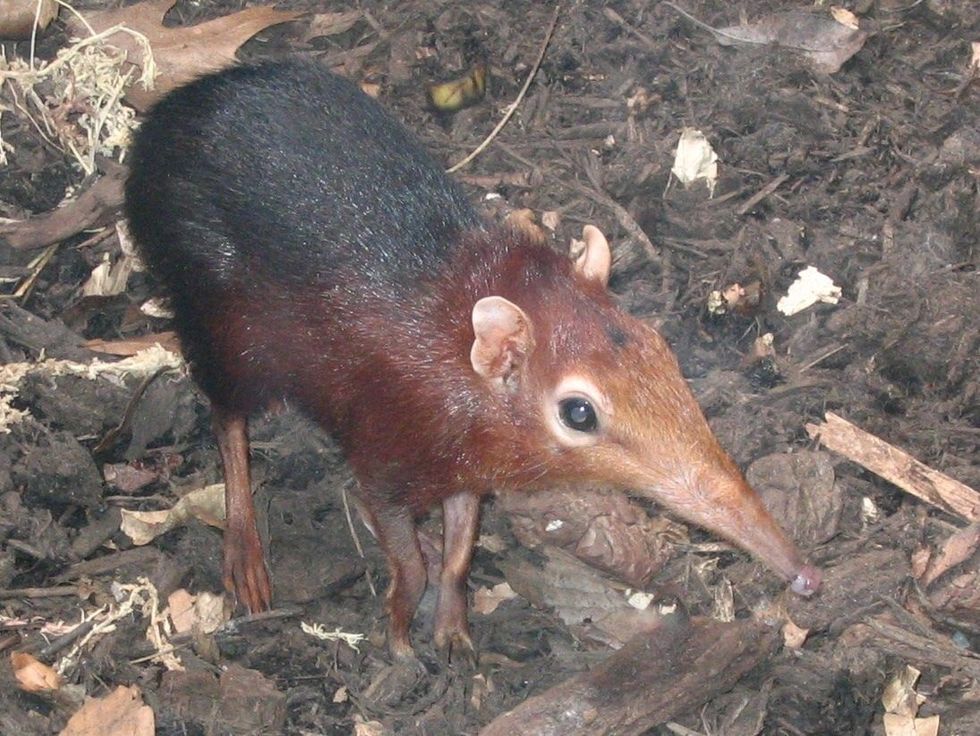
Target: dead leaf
x=899, y=696
x=590, y=604
x=128, y=478
x=181, y=53
x=551, y=219
x=454, y=95
x=369, y=728
x=695, y=159
x=206, y=504
x=897, y=725
x=975, y=57
x=330, y=24
x=212, y=613
x=825, y=41
x=33, y=676
x=121, y=713
x=17, y=17
x=811, y=286
x=845, y=17
x=486, y=600
x=180, y=607
x=793, y=636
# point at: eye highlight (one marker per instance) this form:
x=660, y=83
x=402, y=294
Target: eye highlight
x=578, y=413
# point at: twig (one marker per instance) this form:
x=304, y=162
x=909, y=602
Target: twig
x=896, y=466
x=53, y=592
x=28, y=549
x=357, y=540
x=66, y=640
x=24, y=290
x=512, y=108
x=619, y=20
x=108, y=441
x=762, y=194
x=822, y=358
x=625, y=219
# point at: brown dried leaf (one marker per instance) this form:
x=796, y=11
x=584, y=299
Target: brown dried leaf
x=605, y=530
x=183, y=52
x=800, y=490
x=486, y=600
x=331, y=24
x=33, y=676
x=793, y=636
x=121, y=713
x=585, y=600
x=823, y=40
x=206, y=504
x=17, y=17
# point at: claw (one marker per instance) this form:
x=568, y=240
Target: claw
x=245, y=573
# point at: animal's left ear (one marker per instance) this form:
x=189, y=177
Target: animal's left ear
x=595, y=260
x=503, y=339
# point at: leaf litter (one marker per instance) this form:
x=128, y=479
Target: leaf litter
x=827, y=41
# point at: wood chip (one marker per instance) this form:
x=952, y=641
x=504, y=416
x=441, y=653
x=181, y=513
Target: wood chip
x=897, y=467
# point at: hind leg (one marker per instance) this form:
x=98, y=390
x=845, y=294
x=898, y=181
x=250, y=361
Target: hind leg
x=395, y=532
x=245, y=573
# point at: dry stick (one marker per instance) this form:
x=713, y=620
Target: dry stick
x=625, y=219
x=762, y=194
x=512, y=108
x=896, y=466
x=357, y=540
x=619, y=20
x=53, y=592
x=89, y=209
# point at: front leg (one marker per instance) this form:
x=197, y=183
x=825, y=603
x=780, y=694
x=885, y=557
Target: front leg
x=460, y=520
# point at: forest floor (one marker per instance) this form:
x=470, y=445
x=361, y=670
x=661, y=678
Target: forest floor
x=868, y=173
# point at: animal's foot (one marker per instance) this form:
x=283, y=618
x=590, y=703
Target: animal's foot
x=245, y=574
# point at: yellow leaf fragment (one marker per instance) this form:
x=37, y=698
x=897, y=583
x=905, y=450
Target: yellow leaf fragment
x=794, y=636
x=459, y=93
x=845, y=17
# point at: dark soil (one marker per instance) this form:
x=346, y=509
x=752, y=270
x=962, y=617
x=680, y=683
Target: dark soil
x=877, y=167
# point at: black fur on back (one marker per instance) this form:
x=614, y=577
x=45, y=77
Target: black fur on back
x=284, y=172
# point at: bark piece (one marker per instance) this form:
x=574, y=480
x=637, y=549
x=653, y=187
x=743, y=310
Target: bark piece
x=897, y=467
x=94, y=207
x=651, y=680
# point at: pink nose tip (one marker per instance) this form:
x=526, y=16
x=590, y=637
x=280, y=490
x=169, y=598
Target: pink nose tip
x=807, y=581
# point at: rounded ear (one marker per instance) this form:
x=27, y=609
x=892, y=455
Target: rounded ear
x=595, y=260
x=502, y=341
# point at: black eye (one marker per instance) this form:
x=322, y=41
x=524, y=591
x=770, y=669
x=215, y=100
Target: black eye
x=578, y=414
